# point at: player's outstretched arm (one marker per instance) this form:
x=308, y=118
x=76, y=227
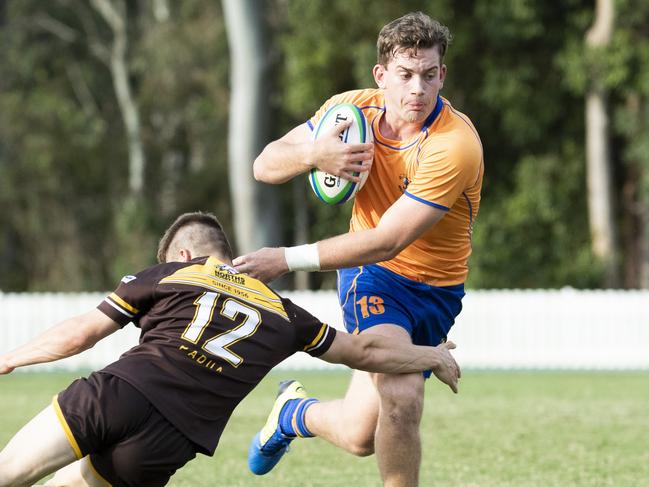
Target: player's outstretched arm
x=376, y=353
x=70, y=337
x=296, y=153
x=399, y=226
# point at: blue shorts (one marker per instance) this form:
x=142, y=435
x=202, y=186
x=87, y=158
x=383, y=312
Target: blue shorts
x=372, y=295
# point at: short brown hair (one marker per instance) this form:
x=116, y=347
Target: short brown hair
x=206, y=235
x=415, y=30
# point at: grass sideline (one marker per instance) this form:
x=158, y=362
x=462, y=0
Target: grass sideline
x=503, y=429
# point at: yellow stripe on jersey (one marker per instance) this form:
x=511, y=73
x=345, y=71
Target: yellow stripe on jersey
x=315, y=341
x=123, y=303
x=66, y=428
x=213, y=276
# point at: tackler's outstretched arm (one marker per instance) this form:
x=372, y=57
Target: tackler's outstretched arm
x=376, y=353
x=67, y=338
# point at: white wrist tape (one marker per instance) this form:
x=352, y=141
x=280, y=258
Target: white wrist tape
x=302, y=258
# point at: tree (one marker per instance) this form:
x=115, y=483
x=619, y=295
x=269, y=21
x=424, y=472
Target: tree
x=627, y=65
x=519, y=69
x=255, y=206
x=114, y=13
x=598, y=155
x=50, y=181
x=64, y=158
x=620, y=71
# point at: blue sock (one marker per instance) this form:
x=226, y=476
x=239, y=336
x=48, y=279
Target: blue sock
x=291, y=418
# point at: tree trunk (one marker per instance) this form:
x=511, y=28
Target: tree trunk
x=643, y=243
x=255, y=207
x=161, y=10
x=115, y=16
x=598, y=161
x=301, y=228
x=636, y=200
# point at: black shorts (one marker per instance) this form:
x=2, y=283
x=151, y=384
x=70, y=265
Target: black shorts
x=129, y=442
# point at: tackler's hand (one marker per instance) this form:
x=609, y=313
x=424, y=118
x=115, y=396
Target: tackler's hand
x=265, y=264
x=5, y=368
x=448, y=371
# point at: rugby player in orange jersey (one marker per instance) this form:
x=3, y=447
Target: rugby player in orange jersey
x=403, y=264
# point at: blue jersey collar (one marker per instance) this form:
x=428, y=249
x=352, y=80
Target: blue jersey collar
x=433, y=115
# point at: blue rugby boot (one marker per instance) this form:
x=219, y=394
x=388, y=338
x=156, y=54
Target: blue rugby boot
x=285, y=423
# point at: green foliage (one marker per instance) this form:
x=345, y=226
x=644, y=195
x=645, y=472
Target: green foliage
x=537, y=236
x=631, y=114
x=64, y=154
x=609, y=66
x=517, y=68
x=331, y=47
x=133, y=242
x=49, y=176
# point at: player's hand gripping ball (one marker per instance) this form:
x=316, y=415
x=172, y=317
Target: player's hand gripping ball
x=331, y=189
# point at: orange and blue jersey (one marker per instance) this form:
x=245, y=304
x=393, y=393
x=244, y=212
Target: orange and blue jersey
x=442, y=166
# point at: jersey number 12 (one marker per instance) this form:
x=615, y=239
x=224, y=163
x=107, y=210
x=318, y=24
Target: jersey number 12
x=219, y=345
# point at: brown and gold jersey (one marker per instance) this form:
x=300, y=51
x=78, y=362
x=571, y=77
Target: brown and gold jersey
x=209, y=336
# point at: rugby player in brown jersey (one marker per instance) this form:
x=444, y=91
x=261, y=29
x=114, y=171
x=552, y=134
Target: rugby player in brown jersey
x=209, y=336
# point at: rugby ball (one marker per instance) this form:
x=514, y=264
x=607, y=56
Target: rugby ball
x=331, y=189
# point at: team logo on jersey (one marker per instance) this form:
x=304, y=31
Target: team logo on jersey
x=404, y=182
x=127, y=279
x=227, y=268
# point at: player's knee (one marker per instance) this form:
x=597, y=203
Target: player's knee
x=361, y=446
x=71, y=476
x=404, y=416
x=402, y=401
x=357, y=435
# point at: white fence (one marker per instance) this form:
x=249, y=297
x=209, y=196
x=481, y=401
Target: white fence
x=564, y=329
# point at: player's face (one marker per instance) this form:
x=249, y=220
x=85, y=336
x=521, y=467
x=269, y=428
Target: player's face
x=411, y=83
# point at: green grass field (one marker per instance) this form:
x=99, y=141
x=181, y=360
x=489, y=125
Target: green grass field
x=535, y=429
